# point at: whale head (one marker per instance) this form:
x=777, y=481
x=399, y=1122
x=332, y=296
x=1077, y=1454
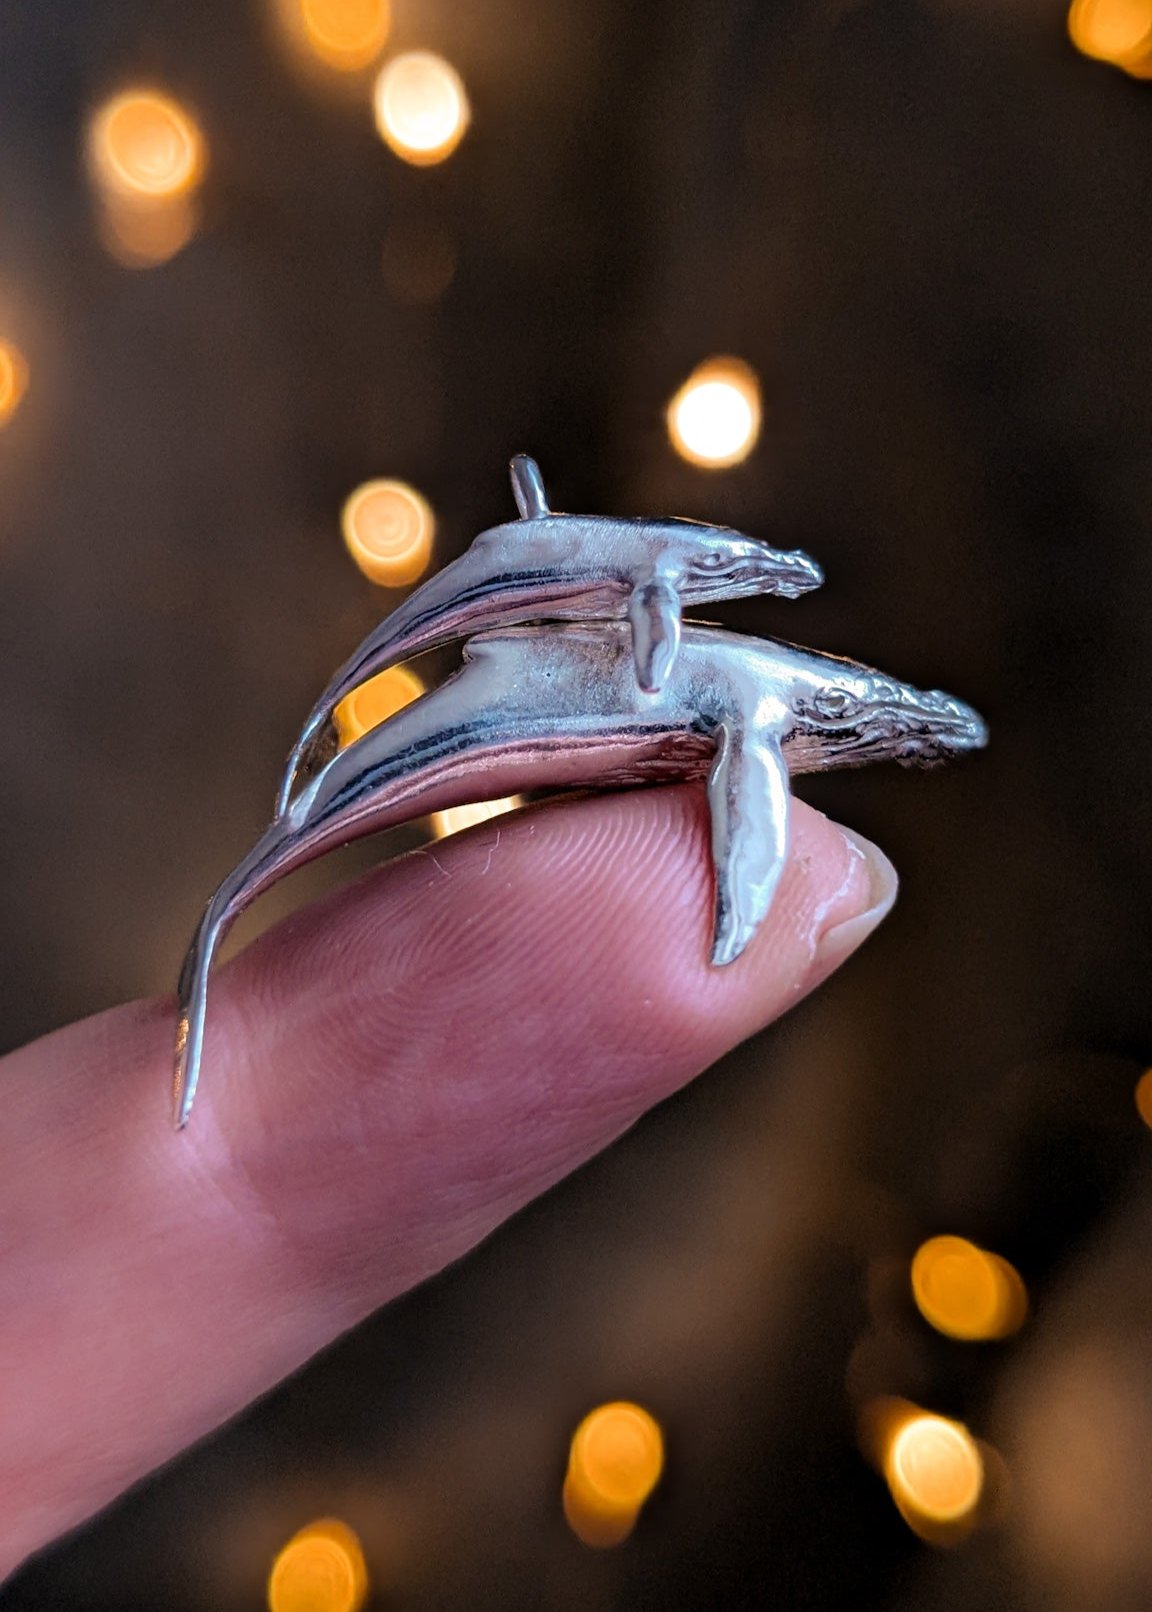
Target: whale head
x=847, y=715
x=715, y=562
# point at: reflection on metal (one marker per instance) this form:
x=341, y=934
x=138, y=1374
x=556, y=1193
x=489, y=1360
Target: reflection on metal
x=563, y=567
x=421, y=107
x=320, y=1569
x=557, y=707
x=966, y=1292
x=714, y=419
x=614, y=1463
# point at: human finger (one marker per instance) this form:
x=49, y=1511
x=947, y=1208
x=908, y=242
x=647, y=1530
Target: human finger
x=389, y=1074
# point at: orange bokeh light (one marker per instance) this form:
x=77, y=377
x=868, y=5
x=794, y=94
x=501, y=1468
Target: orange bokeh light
x=320, y=1569
x=388, y=529
x=374, y=702
x=13, y=380
x=347, y=35
x=421, y=107
x=714, y=419
x=1116, y=31
x=934, y=1468
x=143, y=144
x=1143, y=1096
x=142, y=237
x=615, y=1461
x=966, y=1292
x=146, y=155
x=455, y=819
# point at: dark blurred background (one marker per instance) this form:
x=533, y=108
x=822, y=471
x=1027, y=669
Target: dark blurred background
x=925, y=226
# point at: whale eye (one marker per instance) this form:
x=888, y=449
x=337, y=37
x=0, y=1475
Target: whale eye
x=713, y=560
x=835, y=704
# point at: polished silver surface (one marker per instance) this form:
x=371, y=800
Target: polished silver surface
x=550, y=566
x=559, y=707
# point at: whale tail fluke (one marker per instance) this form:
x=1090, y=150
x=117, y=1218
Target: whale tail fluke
x=262, y=864
x=191, y=1007
x=528, y=488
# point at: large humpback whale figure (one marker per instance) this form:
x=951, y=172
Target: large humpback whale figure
x=553, y=707
x=566, y=568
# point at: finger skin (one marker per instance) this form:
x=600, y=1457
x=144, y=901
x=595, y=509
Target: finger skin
x=389, y=1074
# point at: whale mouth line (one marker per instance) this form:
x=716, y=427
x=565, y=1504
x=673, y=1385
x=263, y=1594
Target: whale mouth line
x=781, y=584
x=926, y=741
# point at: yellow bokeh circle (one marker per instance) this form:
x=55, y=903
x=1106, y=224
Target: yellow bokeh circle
x=615, y=1460
x=455, y=819
x=144, y=144
x=320, y=1569
x=966, y=1292
x=421, y=107
x=714, y=419
x=934, y=1469
x=388, y=530
x=13, y=379
x=345, y=34
x=1116, y=31
x=374, y=702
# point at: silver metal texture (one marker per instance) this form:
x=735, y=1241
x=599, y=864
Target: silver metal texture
x=550, y=566
x=558, y=707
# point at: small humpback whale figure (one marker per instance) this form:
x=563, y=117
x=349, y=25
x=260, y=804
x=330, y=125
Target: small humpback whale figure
x=549, y=566
x=555, y=707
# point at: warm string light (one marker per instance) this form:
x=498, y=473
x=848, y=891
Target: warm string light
x=320, y=1569
x=966, y=1292
x=714, y=419
x=374, y=702
x=1114, y=31
x=388, y=529
x=146, y=157
x=345, y=35
x=1143, y=1097
x=455, y=819
x=421, y=107
x=935, y=1470
x=614, y=1463
x=13, y=380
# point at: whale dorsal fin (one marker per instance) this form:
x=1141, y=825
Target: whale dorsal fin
x=748, y=800
x=654, y=611
x=528, y=487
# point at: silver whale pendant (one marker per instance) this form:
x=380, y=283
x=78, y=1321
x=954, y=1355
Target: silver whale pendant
x=553, y=707
x=549, y=566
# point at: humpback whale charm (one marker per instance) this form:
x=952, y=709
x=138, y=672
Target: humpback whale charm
x=551, y=566
x=551, y=707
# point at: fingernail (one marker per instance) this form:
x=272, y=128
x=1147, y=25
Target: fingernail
x=842, y=939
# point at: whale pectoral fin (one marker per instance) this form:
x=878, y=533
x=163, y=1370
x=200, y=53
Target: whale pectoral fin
x=654, y=611
x=749, y=799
